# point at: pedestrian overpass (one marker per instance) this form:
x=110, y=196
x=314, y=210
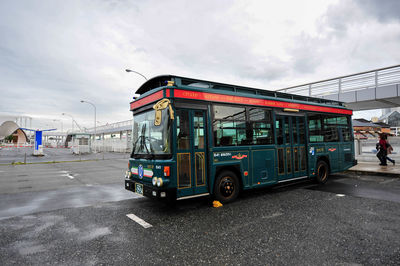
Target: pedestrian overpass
x=374, y=89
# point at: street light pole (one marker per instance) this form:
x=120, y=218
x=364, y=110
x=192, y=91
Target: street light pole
x=71, y=120
x=54, y=120
x=94, y=106
x=128, y=70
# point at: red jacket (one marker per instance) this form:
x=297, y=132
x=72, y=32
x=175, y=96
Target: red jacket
x=382, y=143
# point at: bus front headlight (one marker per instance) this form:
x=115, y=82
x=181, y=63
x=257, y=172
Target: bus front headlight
x=128, y=174
x=159, y=182
x=154, y=181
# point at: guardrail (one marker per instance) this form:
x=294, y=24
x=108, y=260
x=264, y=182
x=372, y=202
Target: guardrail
x=354, y=82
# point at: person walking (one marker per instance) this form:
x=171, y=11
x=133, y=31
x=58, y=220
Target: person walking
x=382, y=149
x=389, y=150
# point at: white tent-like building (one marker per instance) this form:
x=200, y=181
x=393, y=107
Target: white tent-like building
x=11, y=128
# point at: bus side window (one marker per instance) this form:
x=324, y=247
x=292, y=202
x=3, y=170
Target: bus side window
x=287, y=134
x=260, y=127
x=346, y=129
x=346, y=134
x=315, y=128
x=182, y=124
x=199, y=130
x=279, y=131
x=330, y=129
x=229, y=125
x=302, y=130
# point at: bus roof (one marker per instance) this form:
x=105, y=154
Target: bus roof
x=160, y=81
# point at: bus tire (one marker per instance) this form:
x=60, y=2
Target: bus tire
x=322, y=172
x=226, y=187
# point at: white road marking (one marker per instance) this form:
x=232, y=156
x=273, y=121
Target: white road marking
x=340, y=195
x=67, y=174
x=139, y=221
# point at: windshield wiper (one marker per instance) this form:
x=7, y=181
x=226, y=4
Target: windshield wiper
x=140, y=138
x=134, y=147
x=143, y=146
x=142, y=143
x=151, y=148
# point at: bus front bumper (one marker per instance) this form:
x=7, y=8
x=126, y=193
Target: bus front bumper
x=149, y=190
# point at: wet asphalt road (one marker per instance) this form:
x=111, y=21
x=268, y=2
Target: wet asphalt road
x=351, y=220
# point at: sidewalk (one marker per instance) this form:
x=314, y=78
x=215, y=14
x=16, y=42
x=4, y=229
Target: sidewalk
x=373, y=168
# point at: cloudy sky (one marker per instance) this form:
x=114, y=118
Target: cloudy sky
x=55, y=53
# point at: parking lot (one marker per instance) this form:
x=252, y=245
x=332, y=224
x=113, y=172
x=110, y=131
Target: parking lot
x=78, y=213
x=25, y=155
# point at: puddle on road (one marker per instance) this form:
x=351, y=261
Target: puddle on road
x=95, y=233
x=29, y=247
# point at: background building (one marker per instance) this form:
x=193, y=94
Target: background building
x=11, y=130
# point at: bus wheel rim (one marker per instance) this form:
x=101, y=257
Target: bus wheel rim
x=322, y=172
x=226, y=187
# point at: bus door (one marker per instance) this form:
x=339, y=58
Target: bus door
x=191, y=152
x=291, y=147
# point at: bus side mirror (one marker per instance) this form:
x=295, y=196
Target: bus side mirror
x=158, y=107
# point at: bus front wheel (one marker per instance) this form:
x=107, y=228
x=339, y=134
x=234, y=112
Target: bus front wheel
x=322, y=172
x=226, y=188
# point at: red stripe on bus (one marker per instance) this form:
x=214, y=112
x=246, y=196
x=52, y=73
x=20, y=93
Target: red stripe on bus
x=214, y=97
x=167, y=93
x=151, y=98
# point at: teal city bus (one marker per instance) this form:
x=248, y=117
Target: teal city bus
x=194, y=138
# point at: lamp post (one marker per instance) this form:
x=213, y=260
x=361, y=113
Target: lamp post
x=72, y=130
x=94, y=106
x=54, y=120
x=128, y=70
x=73, y=121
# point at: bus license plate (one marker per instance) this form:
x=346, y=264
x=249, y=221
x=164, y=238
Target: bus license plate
x=139, y=188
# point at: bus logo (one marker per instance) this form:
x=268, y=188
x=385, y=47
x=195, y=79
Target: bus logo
x=239, y=156
x=140, y=171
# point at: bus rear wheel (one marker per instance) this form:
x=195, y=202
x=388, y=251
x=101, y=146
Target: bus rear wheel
x=226, y=188
x=322, y=172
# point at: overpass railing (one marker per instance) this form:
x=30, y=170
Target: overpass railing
x=363, y=80
x=111, y=127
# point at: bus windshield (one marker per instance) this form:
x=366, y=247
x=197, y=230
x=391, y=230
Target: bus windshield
x=150, y=141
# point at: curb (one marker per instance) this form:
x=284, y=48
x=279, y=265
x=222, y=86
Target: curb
x=358, y=172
